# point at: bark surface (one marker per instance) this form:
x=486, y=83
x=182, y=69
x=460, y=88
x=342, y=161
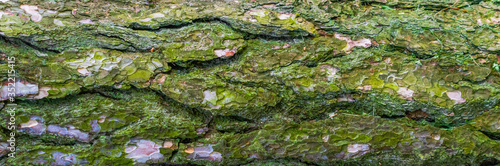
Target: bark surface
x=251, y=82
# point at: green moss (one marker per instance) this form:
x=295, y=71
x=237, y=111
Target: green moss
x=374, y=81
x=140, y=76
x=289, y=94
x=392, y=85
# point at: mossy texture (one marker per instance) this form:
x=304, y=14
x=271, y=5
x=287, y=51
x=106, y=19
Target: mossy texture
x=251, y=82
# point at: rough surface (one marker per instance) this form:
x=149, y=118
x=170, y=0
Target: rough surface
x=250, y=82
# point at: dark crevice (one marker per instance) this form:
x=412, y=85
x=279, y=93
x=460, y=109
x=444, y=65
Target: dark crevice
x=207, y=115
x=21, y=41
x=2, y=105
x=392, y=116
x=489, y=161
x=184, y=66
x=416, y=115
x=238, y=119
x=249, y=130
x=174, y=153
x=247, y=35
x=491, y=135
x=103, y=94
x=424, y=7
x=4, y=130
x=109, y=133
x=187, y=140
x=134, y=48
x=167, y=25
x=104, y=91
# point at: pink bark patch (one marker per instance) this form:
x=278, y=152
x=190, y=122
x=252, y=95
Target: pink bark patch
x=225, y=52
x=32, y=10
x=456, y=96
x=353, y=43
x=405, y=93
x=69, y=131
x=143, y=151
x=86, y=21
x=354, y=148
x=42, y=93
x=286, y=46
x=83, y=71
x=21, y=88
x=33, y=126
x=205, y=153
x=161, y=80
x=346, y=97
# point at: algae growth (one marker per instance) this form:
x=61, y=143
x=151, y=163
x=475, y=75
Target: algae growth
x=250, y=82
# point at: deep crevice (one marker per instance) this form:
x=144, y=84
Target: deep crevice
x=247, y=35
x=207, y=115
x=134, y=48
x=21, y=41
x=491, y=135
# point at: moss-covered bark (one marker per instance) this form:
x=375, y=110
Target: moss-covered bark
x=252, y=82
